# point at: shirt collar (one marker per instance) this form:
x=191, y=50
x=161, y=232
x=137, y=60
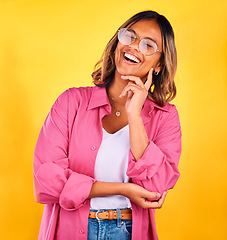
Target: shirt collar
x=149, y=105
x=98, y=98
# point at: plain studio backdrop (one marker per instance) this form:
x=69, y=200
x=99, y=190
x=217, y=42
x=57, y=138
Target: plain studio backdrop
x=49, y=46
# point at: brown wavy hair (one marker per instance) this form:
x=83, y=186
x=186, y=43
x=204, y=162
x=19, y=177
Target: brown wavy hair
x=163, y=88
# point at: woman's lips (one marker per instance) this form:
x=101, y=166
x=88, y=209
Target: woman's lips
x=130, y=58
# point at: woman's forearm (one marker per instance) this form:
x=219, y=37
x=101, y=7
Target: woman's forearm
x=138, y=136
x=100, y=189
x=134, y=192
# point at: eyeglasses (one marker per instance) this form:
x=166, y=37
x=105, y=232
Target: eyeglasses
x=146, y=46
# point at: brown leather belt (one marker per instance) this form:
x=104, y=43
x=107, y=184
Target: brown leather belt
x=126, y=214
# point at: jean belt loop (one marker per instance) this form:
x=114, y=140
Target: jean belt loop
x=118, y=218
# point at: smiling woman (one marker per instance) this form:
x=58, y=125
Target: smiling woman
x=106, y=155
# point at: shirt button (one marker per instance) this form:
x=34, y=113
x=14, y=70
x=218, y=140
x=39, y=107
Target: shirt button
x=93, y=147
x=82, y=231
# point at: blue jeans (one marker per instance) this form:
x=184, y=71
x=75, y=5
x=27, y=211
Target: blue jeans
x=102, y=229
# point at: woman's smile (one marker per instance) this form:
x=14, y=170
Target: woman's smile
x=131, y=58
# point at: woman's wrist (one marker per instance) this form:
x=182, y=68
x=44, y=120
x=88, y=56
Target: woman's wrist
x=125, y=189
x=134, y=117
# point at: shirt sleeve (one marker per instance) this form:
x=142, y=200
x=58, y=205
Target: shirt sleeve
x=54, y=181
x=157, y=170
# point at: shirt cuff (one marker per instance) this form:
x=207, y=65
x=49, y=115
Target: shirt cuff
x=75, y=191
x=147, y=165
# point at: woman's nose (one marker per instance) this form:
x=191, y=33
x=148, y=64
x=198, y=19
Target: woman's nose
x=135, y=44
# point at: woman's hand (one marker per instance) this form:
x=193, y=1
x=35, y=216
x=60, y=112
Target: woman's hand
x=137, y=93
x=140, y=196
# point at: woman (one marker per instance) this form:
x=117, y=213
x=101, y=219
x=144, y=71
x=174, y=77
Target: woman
x=107, y=154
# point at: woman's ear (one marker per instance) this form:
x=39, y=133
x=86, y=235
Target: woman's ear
x=157, y=68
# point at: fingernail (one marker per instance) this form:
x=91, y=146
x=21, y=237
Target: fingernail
x=158, y=195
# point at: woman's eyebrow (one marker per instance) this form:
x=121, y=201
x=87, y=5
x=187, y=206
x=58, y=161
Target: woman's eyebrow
x=145, y=37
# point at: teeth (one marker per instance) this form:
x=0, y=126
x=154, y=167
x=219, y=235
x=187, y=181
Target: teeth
x=131, y=57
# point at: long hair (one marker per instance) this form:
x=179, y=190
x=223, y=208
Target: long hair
x=163, y=88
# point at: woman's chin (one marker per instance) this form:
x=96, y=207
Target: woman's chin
x=126, y=72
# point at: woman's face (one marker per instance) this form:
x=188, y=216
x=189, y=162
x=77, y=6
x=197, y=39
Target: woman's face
x=143, y=29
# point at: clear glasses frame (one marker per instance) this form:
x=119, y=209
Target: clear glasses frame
x=142, y=40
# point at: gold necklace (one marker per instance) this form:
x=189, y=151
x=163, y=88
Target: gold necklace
x=118, y=111
x=115, y=100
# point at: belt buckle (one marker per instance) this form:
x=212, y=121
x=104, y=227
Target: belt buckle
x=110, y=214
x=96, y=214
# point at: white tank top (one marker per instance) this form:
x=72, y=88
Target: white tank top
x=111, y=166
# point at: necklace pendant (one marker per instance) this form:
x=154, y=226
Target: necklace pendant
x=117, y=113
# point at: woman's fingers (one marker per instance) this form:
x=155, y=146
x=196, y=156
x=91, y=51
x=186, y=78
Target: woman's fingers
x=163, y=195
x=139, y=82
x=134, y=79
x=152, y=195
x=130, y=87
x=149, y=79
x=157, y=204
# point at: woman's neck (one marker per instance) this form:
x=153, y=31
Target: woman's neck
x=117, y=86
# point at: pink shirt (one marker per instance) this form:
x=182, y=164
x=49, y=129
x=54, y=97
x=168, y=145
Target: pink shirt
x=64, y=160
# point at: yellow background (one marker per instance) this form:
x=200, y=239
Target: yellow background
x=49, y=46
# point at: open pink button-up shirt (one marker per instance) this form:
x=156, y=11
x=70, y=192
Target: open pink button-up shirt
x=64, y=160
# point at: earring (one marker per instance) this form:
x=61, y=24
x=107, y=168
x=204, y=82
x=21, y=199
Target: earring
x=156, y=73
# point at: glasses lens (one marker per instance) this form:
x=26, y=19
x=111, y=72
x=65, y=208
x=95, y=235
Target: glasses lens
x=147, y=47
x=125, y=36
